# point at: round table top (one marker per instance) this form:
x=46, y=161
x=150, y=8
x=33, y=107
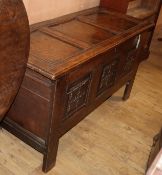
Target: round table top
x=14, y=50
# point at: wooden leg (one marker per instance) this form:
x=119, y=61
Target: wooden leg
x=128, y=89
x=54, y=132
x=49, y=159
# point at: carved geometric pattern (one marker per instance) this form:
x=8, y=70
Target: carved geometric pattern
x=129, y=62
x=108, y=76
x=77, y=95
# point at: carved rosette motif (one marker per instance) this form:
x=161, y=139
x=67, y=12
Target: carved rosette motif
x=108, y=76
x=77, y=95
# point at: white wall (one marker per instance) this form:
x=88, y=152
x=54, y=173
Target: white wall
x=40, y=10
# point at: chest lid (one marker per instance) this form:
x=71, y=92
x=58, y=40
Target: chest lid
x=59, y=45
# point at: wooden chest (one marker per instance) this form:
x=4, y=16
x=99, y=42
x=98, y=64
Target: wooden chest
x=76, y=62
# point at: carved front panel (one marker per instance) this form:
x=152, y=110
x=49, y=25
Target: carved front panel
x=77, y=95
x=108, y=76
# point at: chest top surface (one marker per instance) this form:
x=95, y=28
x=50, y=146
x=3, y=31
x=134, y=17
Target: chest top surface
x=59, y=45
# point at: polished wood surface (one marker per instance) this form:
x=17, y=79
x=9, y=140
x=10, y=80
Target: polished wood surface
x=71, y=72
x=140, y=9
x=117, y=5
x=102, y=29
x=143, y=9
x=14, y=50
x=119, y=142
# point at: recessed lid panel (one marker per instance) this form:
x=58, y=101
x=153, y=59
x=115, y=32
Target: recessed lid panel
x=46, y=51
x=83, y=32
x=110, y=22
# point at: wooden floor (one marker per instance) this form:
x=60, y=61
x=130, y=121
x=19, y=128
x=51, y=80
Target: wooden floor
x=118, y=144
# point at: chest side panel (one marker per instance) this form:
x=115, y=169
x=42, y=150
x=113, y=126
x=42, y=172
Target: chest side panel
x=31, y=109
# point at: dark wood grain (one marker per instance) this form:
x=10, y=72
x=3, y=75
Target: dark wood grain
x=76, y=63
x=117, y=5
x=96, y=38
x=14, y=50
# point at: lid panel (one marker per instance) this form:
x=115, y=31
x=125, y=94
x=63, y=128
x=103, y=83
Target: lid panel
x=110, y=22
x=49, y=50
x=84, y=32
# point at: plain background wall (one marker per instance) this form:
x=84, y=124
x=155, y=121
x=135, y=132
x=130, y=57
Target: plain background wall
x=41, y=10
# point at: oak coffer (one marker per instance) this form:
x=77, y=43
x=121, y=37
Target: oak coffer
x=76, y=62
